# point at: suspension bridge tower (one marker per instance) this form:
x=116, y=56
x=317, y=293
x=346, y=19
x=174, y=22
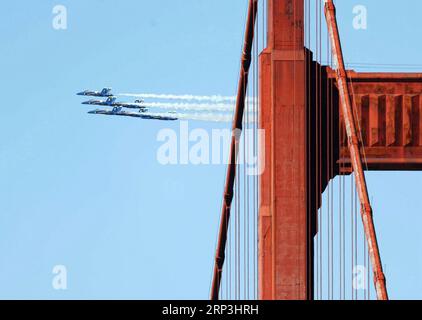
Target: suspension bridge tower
x=304, y=151
x=319, y=122
x=285, y=237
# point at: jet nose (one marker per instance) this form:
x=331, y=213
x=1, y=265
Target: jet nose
x=80, y=93
x=92, y=112
x=86, y=102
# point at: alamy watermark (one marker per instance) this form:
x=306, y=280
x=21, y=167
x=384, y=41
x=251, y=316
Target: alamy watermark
x=59, y=17
x=360, y=21
x=60, y=277
x=198, y=147
x=360, y=278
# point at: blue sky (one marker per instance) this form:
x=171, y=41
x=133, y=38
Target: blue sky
x=87, y=191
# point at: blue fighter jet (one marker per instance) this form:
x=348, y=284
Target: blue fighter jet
x=111, y=102
x=106, y=92
x=118, y=112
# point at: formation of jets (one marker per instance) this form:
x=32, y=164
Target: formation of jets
x=117, y=107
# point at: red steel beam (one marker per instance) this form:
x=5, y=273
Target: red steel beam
x=353, y=143
x=236, y=132
x=383, y=103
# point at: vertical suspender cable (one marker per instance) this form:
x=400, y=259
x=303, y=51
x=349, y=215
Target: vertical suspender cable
x=236, y=130
x=352, y=234
x=319, y=130
x=318, y=268
x=328, y=178
x=355, y=217
x=308, y=119
x=308, y=151
x=343, y=201
x=238, y=239
x=355, y=155
x=319, y=144
x=256, y=170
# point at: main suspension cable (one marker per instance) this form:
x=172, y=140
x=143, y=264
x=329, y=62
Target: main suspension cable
x=236, y=132
x=353, y=143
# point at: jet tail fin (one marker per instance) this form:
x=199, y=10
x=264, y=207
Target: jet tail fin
x=111, y=100
x=106, y=91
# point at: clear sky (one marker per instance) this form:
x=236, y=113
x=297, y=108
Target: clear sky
x=87, y=191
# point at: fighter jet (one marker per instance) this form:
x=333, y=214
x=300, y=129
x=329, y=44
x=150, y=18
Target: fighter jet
x=111, y=102
x=118, y=112
x=106, y=92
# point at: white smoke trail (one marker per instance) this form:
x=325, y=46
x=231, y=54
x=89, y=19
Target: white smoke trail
x=214, y=117
x=222, y=107
x=187, y=97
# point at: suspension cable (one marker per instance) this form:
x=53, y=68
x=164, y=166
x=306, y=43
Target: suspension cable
x=236, y=131
x=354, y=150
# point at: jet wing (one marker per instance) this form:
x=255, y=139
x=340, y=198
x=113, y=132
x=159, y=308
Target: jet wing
x=149, y=116
x=110, y=102
x=96, y=102
x=128, y=105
